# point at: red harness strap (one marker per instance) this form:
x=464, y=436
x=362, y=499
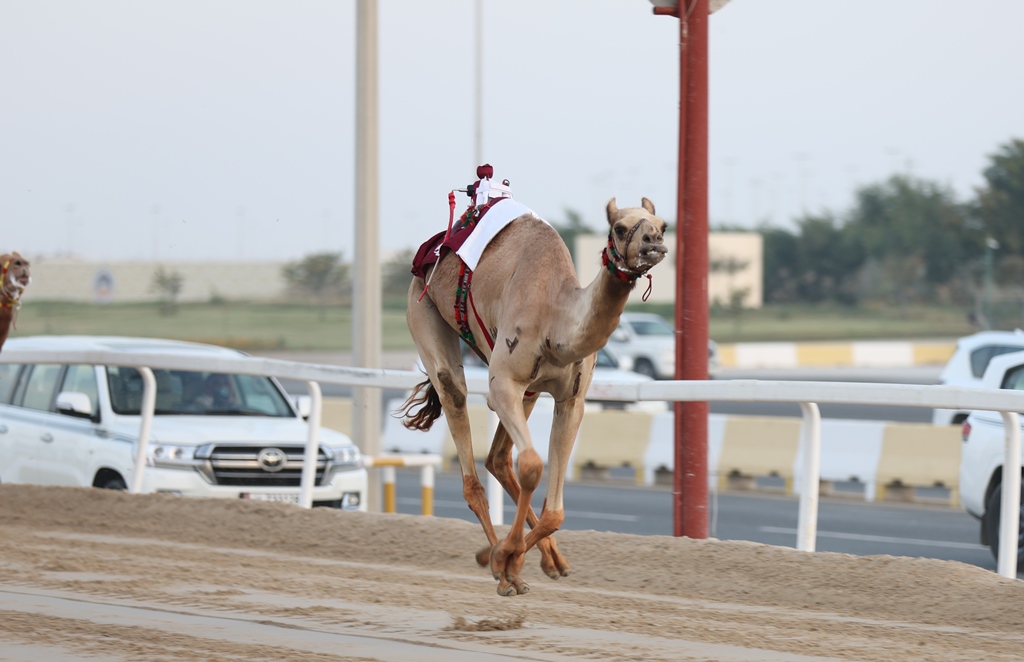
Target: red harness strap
x=464, y=301
x=480, y=322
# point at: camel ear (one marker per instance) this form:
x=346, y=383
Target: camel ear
x=613, y=211
x=648, y=205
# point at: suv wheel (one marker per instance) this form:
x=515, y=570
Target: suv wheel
x=116, y=483
x=991, y=523
x=645, y=367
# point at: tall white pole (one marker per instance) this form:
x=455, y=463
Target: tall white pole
x=366, y=303
x=478, y=61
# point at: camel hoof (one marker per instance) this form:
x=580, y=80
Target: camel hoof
x=556, y=570
x=506, y=590
x=483, y=557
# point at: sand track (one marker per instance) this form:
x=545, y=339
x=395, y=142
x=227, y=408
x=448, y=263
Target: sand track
x=122, y=577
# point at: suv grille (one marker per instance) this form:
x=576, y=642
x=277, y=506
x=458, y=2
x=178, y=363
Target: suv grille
x=241, y=466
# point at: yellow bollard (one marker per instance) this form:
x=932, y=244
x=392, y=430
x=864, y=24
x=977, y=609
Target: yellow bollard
x=427, y=488
x=388, y=478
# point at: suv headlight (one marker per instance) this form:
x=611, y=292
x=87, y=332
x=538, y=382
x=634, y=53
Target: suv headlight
x=170, y=455
x=346, y=457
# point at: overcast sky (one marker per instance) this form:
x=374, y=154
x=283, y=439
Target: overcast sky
x=225, y=129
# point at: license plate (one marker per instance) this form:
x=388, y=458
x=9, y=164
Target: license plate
x=282, y=497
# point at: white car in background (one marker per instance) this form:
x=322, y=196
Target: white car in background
x=967, y=365
x=983, y=454
x=649, y=342
x=213, y=434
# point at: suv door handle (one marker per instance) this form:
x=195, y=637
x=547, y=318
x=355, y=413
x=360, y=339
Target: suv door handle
x=3, y=429
x=46, y=436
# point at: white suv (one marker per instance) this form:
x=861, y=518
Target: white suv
x=983, y=453
x=649, y=341
x=967, y=365
x=213, y=434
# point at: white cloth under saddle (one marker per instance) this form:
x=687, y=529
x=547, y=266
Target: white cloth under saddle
x=494, y=221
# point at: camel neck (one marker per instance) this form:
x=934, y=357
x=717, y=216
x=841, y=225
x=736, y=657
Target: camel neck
x=598, y=311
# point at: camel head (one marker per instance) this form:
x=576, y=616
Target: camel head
x=16, y=275
x=636, y=239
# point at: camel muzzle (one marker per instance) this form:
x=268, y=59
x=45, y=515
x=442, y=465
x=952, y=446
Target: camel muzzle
x=654, y=252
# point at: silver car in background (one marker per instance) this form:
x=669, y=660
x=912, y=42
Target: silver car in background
x=649, y=342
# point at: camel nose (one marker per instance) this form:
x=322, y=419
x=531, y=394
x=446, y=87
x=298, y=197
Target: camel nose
x=653, y=238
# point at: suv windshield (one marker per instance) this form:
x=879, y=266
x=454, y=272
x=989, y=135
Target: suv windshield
x=179, y=392
x=981, y=357
x=605, y=360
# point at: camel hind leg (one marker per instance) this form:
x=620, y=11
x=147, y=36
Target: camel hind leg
x=438, y=346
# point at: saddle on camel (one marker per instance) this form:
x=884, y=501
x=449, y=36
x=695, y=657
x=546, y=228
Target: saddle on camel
x=503, y=281
x=16, y=275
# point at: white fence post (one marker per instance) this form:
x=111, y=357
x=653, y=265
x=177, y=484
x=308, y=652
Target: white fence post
x=311, y=455
x=810, y=433
x=1009, y=513
x=145, y=425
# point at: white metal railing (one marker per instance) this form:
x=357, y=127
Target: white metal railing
x=806, y=394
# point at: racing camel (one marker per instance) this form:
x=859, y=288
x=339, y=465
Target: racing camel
x=542, y=332
x=15, y=276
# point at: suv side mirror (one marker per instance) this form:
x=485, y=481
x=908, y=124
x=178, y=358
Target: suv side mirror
x=618, y=335
x=304, y=405
x=73, y=403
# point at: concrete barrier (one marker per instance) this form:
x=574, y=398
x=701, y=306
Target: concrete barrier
x=919, y=456
x=880, y=354
x=891, y=460
x=755, y=446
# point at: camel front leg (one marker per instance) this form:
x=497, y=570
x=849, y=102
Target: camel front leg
x=499, y=464
x=508, y=555
x=564, y=428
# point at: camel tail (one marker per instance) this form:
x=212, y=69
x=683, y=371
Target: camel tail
x=425, y=397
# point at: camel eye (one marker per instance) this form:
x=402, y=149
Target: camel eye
x=620, y=231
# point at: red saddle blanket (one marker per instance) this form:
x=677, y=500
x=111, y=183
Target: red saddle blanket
x=431, y=250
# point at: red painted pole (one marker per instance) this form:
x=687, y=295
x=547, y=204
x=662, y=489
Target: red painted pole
x=690, y=480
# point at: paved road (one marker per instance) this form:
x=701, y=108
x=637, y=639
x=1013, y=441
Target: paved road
x=845, y=524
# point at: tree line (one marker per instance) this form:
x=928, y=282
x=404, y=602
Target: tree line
x=905, y=240
x=908, y=240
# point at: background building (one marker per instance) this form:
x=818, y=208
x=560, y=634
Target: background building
x=736, y=273
x=57, y=279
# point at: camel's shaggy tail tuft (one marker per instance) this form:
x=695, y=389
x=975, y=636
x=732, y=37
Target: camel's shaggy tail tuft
x=425, y=397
